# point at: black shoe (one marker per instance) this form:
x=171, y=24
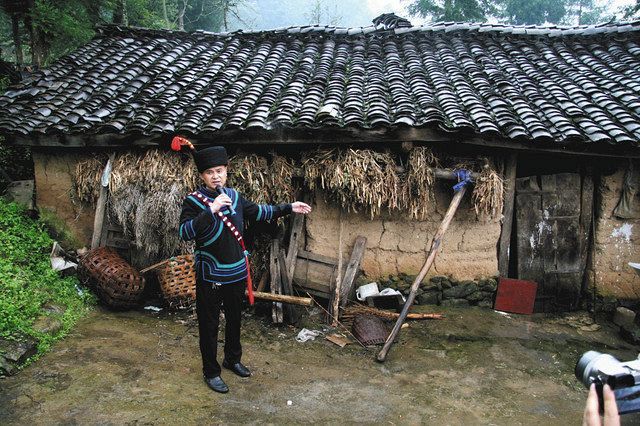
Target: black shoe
x=237, y=368
x=217, y=384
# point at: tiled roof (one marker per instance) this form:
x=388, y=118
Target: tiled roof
x=517, y=82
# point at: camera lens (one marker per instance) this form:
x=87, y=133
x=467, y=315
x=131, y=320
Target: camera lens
x=581, y=367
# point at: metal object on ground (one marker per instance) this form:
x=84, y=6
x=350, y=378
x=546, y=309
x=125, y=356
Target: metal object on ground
x=118, y=284
x=369, y=330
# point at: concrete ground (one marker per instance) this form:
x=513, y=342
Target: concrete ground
x=477, y=366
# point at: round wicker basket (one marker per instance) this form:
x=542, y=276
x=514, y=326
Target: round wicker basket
x=118, y=284
x=177, y=279
x=369, y=330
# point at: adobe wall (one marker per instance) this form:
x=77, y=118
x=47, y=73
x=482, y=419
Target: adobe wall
x=617, y=242
x=53, y=180
x=397, y=244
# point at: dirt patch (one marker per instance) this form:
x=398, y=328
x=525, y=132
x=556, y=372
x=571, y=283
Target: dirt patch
x=476, y=366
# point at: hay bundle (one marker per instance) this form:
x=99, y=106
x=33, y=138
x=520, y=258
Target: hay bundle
x=249, y=175
x=488, y=192
x=355, y=178
x=87, y=179
x=146, y=192
x=317, y=165
x=417, y=192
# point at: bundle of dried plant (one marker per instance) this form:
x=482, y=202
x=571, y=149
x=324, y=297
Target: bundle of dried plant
x=279, y=181
x=488, y=192
x=248, y=175
x=417, y=191
x=358, y=179
x=318, y=166
x=87, y=176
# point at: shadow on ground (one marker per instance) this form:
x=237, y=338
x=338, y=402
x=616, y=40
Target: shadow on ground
x=477, y=366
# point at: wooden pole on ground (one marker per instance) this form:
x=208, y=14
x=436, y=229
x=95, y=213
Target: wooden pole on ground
x=295, y=300
x=435, y=244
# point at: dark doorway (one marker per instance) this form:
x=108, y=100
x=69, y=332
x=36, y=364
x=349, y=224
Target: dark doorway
x=553, y=215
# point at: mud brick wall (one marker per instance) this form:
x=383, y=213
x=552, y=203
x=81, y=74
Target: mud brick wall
x=617, y=242
x=54, y=184
x=397, y=244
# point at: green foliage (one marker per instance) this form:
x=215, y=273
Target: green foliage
x=632, y=11
x=534, y=11
x=64, y=25
x=27, y=280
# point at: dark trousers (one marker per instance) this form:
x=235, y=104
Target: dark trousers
x=209, y=299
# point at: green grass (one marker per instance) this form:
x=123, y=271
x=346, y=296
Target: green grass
x=27, y=281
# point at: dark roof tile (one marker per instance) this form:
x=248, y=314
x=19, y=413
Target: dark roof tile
x=561, y=84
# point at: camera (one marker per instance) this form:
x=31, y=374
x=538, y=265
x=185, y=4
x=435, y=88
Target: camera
x=622, y=377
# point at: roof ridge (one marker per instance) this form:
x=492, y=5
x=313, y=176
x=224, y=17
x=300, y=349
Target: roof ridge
x=538, y=30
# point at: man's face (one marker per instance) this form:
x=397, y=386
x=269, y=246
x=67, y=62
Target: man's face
x=215, y=176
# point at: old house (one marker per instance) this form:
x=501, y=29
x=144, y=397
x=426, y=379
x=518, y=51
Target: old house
x=554, y=111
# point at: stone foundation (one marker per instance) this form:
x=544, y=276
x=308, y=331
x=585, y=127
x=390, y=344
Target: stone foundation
x=446, y=291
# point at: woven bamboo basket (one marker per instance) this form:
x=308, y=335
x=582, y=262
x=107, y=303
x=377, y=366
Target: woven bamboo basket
x=369, y=330
x=177, y=279
x=118, y=284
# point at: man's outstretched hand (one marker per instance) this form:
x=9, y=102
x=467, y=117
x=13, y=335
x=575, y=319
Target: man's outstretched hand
x=300, y=207
x=591, y=412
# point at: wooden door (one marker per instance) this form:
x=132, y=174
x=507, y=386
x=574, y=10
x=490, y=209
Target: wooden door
x=553, y=221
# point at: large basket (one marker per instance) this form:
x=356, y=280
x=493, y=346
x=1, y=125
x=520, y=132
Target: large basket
x=177, y=279
x=118, y=284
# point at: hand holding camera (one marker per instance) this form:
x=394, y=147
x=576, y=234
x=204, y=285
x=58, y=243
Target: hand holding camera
x=592, y=408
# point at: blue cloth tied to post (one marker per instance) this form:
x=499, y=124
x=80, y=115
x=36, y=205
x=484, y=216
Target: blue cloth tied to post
x=464, y=177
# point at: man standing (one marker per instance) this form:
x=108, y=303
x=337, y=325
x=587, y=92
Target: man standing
x=214, y=217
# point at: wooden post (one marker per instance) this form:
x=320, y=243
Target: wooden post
x=98, y=220
x=352, y=269
x=287, y=288
x=504, y=250
x=435, y=244
x=335, y=299
x=276, y=313
x=294, y=244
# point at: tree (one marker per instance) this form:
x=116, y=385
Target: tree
x=632, y=11
x=320, y=15
x=519, y=12
x=453, y=10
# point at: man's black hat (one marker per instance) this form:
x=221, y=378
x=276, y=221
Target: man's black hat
x=210, y=157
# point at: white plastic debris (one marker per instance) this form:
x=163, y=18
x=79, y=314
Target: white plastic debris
x=306, y=334
x=289, y=402
x=390, y=291
x=152, y=308
x=58, y=263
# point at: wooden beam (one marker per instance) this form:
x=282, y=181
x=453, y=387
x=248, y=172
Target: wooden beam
x=352, y=269
x=507, y=214
x=302, y=136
